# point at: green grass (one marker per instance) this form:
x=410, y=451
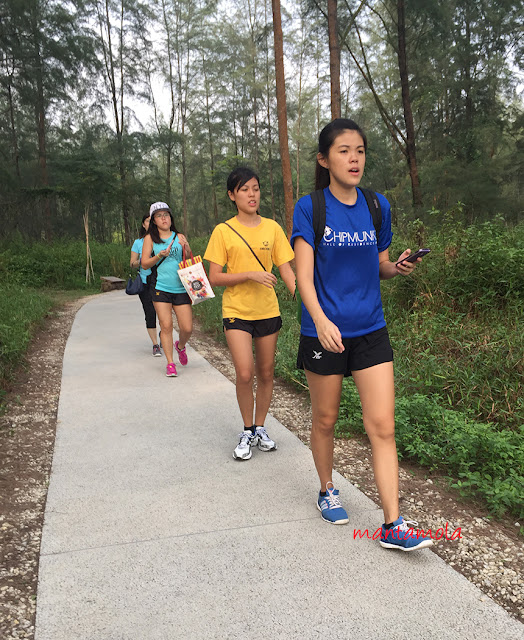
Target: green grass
x=61, y=265
x=21, y=309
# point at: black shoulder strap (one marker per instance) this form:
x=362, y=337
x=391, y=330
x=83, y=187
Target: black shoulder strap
x=152, y=277
x=374, y=208
x=319, y=216
x=247, y=244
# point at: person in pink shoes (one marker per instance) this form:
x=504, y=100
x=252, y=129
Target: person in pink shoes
x=162, y=251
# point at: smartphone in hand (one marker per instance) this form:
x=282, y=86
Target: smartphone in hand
x=412, y=257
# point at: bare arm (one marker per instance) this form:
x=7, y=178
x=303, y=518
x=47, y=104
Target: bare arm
x=135, y=259
x=147, y=261
x=287, y=275
x=328, y=333
x=217, y=278
x=388, y=270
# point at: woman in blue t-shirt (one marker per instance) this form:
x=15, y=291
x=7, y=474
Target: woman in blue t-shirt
x=145, y=294
x=343, y=329
x=162, y=252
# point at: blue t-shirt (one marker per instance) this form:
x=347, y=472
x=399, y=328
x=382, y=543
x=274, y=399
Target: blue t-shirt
x=346, y=273
x=167, y=274
x=137, y=248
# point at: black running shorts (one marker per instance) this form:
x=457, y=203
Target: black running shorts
x=257, y=328
x=172, y=298
x=360, y=353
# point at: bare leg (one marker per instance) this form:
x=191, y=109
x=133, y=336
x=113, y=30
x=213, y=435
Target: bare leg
x=325, y=393
x=152, y=335
x=165, y=318
x=240, y=345
x=184, y=317
x=265, y=371
x=377, y=395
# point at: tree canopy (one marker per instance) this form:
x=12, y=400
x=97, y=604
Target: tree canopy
x=109, y=105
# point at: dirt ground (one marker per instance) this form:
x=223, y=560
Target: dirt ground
x=489, y=553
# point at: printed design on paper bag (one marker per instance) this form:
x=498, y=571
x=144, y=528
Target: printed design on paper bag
x=198, y=287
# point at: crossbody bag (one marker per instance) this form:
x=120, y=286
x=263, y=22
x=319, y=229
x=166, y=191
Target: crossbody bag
x=247, y=245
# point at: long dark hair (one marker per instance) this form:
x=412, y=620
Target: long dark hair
x=153, y=229
x=238, y=178
x=327, y=137
x=143, y=231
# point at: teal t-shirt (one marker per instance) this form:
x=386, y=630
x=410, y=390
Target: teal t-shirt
x=137, y=248
x=167, y=276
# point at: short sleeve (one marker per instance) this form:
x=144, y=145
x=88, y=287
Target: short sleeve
x=216, y=248
x=303, y=221
x=137, y=246
x=282, y=251
x=386, y=235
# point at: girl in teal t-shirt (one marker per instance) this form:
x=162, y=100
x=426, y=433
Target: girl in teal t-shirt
x=145, y=295
x=162, y=252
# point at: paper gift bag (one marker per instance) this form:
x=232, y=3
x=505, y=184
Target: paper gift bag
x=194, y=278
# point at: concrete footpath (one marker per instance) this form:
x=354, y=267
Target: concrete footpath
x=153, y=532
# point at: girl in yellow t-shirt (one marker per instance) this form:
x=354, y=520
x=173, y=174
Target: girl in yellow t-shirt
x=249, y=245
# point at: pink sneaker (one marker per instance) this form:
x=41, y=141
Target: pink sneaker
x=182, y=355
x=171, y=370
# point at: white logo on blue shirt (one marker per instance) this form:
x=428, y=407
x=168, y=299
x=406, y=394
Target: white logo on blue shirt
x=344, y=238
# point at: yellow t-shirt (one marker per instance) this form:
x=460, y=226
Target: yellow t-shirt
x=249, y=300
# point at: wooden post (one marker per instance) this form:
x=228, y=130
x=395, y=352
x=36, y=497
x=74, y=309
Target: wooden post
x=90, y=274
x=282, y=116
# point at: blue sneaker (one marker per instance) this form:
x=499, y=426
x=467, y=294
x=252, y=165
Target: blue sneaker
x=330, y=508
x=404, y=535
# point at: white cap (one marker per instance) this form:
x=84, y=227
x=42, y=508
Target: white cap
x=158, y=206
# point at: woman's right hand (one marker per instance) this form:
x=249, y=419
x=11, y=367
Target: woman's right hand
x=263, y=277
x=329, y=335
x=165, y=252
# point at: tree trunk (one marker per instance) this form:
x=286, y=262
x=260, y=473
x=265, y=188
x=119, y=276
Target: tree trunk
x=468, y=102
x=14, y=136
x=269, y=136
x=116, y=97
x=211, y=150
x=40, y=121
x=334, y=59
x=282, y=116
x=299, y=108
x=406, y=102
x=253, y=48
x=170, y=143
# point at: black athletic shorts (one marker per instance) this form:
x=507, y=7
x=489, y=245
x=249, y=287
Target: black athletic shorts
x=173, y=298
x=257, y=328
x=360, y=353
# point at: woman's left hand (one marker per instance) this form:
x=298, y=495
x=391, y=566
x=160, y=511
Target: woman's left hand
x=183, y=240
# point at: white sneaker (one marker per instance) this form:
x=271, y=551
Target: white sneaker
x=243, y=448
x=263, y=441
